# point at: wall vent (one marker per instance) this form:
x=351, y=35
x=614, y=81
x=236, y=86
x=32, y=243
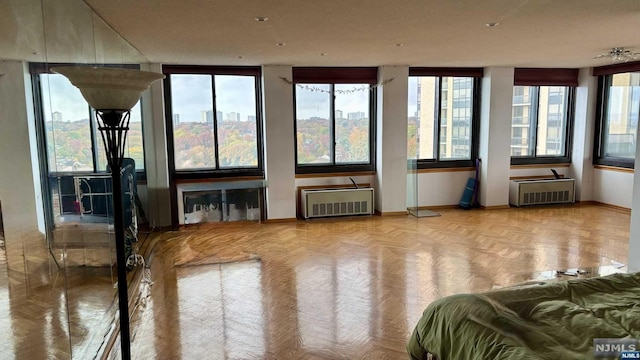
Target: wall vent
x=541, y=191
x=336, y=202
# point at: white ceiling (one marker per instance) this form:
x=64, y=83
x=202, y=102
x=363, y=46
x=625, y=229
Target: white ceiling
x=536, y=33
x=531, y=33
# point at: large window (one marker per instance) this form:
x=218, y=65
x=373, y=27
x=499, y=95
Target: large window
x=619, y=99
x=334, y=125
x=213, y=120
x=540, y=123
x=542, y=115
x=72, y=141
x=442, y=124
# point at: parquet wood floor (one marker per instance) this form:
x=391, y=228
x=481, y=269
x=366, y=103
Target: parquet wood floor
x=350, y=288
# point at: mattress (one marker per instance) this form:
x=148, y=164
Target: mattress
x=557, y=320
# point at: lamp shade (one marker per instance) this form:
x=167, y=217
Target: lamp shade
x=109, y=88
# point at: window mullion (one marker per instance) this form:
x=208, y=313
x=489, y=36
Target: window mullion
x=533, y=122
x=332, y=123
x=216, y=152
x=94, y=139
x=568, y=120
x=438, y=118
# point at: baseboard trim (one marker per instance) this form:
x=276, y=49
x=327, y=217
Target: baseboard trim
x=391, y=213
x=617, y=208
x=436, y=207
x=283, y=220
x=495, y=207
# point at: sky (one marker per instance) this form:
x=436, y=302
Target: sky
x=315, y=102
x=191, y=94
x=57, y=91
x=413, y=96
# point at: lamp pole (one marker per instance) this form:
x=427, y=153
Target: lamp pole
x=113, y=126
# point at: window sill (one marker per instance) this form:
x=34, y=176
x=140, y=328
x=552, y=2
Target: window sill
x=336, y=174
x=440, y=170
x=614, y=168
x=539, y=166
x=533, y=161
x=218, y=179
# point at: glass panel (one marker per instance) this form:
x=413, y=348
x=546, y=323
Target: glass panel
x=66, y=117
x=236, y=119
x=134, y=145
x=552, y=120
x=352, y=123
x=456, y=110
x=412, y=121
x=521, y=130
x=412, y=145
x=622, y=116
x=193, y=130
x=422, y=104
x=313, y=137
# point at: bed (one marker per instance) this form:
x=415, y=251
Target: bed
x=556, y=320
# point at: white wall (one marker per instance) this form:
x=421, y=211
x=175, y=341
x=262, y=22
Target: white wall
x=439, y=188
x=279, y=142
x=335, y=180
x=155, y=196
x=582, y=152
x=613, y=187
x=495, y=136
x=537, y=172
x=391, y=139
x=19, y=175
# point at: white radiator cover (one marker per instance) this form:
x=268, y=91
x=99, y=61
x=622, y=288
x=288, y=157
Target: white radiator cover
x=541, y=191
x=336, y=202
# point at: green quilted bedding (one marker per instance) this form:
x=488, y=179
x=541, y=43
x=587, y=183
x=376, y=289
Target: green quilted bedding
x=557, y=320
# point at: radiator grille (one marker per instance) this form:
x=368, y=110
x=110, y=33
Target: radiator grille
x=546, y=191
x=337, y=202
x=545, y=197
x=345, y=208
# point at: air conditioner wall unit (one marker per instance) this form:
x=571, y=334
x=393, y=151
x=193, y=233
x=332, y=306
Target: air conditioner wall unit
x=541, y=191
x=336, y=202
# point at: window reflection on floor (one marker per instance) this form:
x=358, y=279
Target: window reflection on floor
x=221, y=305
x=335, y=295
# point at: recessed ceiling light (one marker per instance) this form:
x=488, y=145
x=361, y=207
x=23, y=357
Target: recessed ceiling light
x=399, y=44
x=281, y=44
x=261, y=18
x=492, y=24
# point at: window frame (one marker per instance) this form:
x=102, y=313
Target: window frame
x=439, y=73
x=604, y=83
x=567, y=77
x=336, y=76
x=568, y=143
x=211, y=173
x=37, y=69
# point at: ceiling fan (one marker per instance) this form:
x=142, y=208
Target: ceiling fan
x=619, y=54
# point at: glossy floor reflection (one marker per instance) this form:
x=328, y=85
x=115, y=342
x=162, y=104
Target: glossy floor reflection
x=349, y=288
x=48, y=311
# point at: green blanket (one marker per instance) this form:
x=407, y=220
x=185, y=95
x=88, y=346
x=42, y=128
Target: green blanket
x=557, y=320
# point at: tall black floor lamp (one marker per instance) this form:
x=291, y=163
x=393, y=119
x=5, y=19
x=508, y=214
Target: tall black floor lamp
x=112, y=92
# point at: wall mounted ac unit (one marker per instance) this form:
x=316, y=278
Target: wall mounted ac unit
x=541, y=191
x=336, y=202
